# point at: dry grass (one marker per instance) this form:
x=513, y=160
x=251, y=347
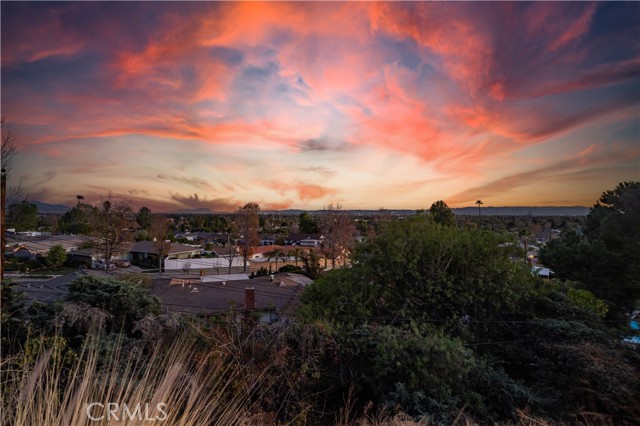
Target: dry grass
x=56, y=391
x=213, y=386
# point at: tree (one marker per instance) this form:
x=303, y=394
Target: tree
x=113, y=228
x=11, y=318
x=479, y=203
x=337, y=229
x=126, y=301
x=606, y=259
x=277, y=254
x=7, y=197
x=248, y=225
x=159, y=233
x=80, y=220
x=56, y=256
x=23, y=216
x=307, y=224
x=418, y=269
x=144, y=218
x=8, y=150
x=231, y=247
x=296, y=253
x=311, y=262
x=442, y=214
x=429, y=318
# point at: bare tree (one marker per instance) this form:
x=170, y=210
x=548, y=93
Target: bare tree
x=114, y=222
x=248, y=224
x=337, y=229
x=231, y=249
x=159, y=233
x=7, y=152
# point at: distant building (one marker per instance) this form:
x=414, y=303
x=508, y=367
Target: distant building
x=145, y=253
x=266, y=299
x=305, y=240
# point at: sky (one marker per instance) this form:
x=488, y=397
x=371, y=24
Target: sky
x=176, y=105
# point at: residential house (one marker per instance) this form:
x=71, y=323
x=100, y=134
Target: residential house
x=53, y=290
x=264, y=298
x=305, y=240
x=145, y=253
x=40, y=245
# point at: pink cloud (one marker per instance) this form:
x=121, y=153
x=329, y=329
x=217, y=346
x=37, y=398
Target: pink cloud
x=304, y=191
x=576, y=30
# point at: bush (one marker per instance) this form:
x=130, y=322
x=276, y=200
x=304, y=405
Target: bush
x=125, y=301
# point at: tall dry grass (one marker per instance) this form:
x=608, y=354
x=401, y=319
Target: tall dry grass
x=55, y=389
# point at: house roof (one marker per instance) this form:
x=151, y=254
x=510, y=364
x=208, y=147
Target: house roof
x=293, y=279
x=149, y=247
x=194, y=296
x=42, y=244
x=48, y=291
x=225, y=277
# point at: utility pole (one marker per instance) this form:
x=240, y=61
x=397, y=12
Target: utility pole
x=3, y=228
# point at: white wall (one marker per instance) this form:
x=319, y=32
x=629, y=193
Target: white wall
x=200, y=263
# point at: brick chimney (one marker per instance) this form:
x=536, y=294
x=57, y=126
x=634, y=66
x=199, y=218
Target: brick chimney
x=249, y=298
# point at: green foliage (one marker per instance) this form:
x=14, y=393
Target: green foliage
x=144, y=218
x=127, y=302
x=291, y=268
x=442, y=214
x=607, y=260
x=261, y=272
x=434, y=318
x=586, y=300
x=78, y=220
x=311, y=264
x=307, y=224
x=56, y=256
x=421, y=370
x=12, y=318
x=420, y=269
x=23, y=216
x=339, y=298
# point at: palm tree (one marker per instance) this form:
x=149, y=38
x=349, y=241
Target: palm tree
x=479, y=203
x=296, y=253
x=277, y=254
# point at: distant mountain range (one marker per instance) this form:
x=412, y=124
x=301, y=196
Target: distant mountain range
x=524, y=211
x=201, y=210
x=45, y=208
x=473, y=211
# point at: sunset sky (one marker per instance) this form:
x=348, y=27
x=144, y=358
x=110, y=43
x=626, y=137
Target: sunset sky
x=297, y=105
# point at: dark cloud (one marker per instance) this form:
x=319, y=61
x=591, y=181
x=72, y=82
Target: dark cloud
x=192, y=181
x=195, y=201
x=322, y=144
x=229, y=56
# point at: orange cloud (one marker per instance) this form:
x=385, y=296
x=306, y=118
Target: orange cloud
x=305, y=191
